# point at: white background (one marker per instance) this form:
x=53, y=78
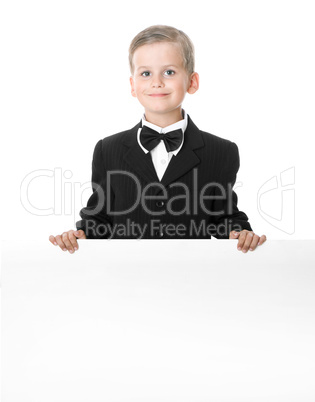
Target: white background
x=65, y=85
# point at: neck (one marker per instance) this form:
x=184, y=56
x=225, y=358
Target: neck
x=164, y=119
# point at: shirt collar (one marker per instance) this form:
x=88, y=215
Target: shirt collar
x=163, y=130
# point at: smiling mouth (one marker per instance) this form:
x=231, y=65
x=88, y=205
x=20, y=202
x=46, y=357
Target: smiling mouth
x=158, y=95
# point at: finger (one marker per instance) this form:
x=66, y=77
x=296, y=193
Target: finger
x=247, y=242
x=241, y=239
x=254, y=242
x=234, y=234
x=67, y=242
x=53, y=240
x=73, y=240
x=60, y=243
x=262, y=240
x=79, y=234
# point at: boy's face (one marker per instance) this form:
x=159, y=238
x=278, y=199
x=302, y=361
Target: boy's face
x=160, y=81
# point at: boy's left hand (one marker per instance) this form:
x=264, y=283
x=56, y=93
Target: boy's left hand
x=247, y=240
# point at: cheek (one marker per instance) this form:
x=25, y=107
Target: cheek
x=139, y=86
x=179, y=85
x=180, y=88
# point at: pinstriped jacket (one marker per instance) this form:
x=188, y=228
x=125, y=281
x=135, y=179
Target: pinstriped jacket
x=193, y=200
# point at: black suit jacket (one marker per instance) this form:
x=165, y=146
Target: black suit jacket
x=194, y=199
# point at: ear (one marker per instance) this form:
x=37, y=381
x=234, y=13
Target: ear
x=194, y=83
x=132, y=84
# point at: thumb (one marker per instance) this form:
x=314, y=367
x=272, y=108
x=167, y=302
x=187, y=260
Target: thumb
x=79, y=234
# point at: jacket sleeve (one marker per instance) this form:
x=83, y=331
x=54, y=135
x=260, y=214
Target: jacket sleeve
x=95, y=221
x=229, y=218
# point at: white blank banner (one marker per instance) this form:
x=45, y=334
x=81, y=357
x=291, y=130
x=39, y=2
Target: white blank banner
x=158, y=321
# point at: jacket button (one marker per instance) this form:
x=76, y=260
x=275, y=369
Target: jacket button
x=159, y=204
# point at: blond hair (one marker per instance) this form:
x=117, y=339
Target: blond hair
x=165, y=33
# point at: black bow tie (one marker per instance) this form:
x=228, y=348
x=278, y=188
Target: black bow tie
x=150, y=138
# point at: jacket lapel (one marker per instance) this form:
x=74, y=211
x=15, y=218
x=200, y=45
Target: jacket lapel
x=183, y=162
x=186, y=159
x=137, y=159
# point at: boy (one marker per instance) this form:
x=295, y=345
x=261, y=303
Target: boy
x=164, y=178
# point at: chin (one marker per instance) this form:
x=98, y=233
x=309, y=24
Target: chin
x=160, y=111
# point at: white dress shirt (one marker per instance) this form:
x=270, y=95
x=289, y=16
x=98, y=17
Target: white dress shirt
x=159, y=154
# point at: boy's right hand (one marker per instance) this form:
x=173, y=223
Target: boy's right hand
x=68, y=240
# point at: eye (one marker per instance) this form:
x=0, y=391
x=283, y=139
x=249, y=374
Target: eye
x=145, y=74
x=169, y=72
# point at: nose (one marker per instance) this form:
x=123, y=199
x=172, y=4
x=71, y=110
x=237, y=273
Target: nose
x=157, y=81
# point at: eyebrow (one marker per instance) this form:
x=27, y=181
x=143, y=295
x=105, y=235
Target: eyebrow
x=167, y=65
